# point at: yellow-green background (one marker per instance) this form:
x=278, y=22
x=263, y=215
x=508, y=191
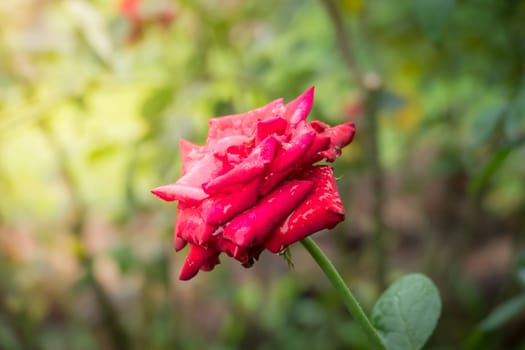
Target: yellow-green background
x=90, y=121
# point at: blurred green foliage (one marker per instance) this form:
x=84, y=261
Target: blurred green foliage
x=94, y=100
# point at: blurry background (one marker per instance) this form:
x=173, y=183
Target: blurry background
x=94, y=96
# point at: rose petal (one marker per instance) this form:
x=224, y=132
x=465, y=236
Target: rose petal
x=340, y=136
x=298, y=109
x=321, y=209
x=270, y=126
x=184, y=193
x=223, y=206
x=179, y=243
x=309, y=157
x=197, y=258
x=211, y=262
x=226, y=144
x=288, y=157
x=253, y=255
x=286, y=161
x=191, y=226
x=320, y=143
x=242, y=124
x=190, y=153
x=252, y=226
x=240, y=254
x=202, y=171
x=247, y=170
x=245, y=255
x=189, y=187
x=318, y=126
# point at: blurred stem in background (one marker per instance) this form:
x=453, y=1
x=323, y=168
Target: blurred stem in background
x=19, y=324
x=372, y=152
x=369, y=85
x=112, y=325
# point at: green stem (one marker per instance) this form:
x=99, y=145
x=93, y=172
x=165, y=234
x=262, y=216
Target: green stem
x=348, y=298
x=378, y=186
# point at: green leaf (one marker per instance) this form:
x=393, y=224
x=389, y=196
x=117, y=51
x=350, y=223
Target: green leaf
x=91, y=24
x=154, y=106
x=485, y=123
x=503, y=313
x=433, y=16
x=124, y=258
x=519, y=269
x=157, y=102
x=407, y=312
x=102, y=152
x=513, y=126
x=389, y=100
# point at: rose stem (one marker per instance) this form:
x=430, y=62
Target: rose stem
x=339, y=284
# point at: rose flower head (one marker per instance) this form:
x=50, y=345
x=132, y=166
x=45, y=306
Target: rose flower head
x=256, y=184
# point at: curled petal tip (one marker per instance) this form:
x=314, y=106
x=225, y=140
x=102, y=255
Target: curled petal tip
x=197, y=258
x=179, y=243
x=175, y=191
x=163, y=193
x=298, y=109
x=187, y=272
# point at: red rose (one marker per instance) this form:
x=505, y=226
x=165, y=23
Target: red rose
x=254, y=185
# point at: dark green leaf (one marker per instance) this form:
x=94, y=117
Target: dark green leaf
x=482, y=178
x=503, y=313
x=513, y=126
x=407, y=313
x=519, y=270
x=390, y=101
x=433, y=16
